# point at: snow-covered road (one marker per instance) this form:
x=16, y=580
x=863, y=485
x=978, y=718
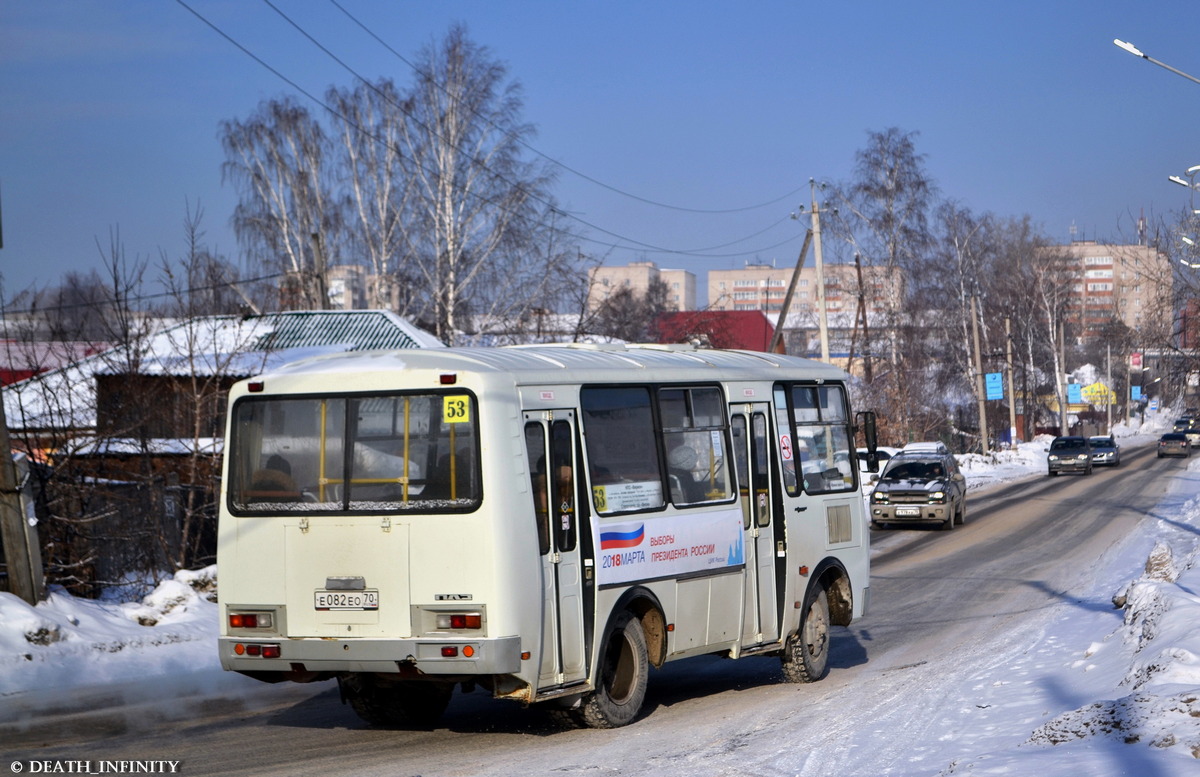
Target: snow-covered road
x=1080, y=687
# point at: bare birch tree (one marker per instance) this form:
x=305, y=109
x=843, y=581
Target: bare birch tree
x=369, y=123
x=286, y=215
x=885, y=214
x=475, y=202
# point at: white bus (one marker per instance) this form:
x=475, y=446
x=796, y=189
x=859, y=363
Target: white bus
x=546, y=522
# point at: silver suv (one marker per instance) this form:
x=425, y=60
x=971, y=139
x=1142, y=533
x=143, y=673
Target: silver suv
x=921, y=484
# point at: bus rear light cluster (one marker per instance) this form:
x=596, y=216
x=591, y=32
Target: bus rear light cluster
x=452, y=651
x=263, y=651
x=448, y=620
x=250, y=620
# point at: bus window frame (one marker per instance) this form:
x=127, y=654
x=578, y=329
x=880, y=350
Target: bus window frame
x=652, y=391
x=787, y=388
x=347, y=440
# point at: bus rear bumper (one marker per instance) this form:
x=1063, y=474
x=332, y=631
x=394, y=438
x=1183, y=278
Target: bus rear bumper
x=299, y=656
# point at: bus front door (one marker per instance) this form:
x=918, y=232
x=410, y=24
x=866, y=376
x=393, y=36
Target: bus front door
x=549, y=443
x=751, y=446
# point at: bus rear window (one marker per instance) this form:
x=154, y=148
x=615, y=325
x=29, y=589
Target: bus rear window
x=414, y=452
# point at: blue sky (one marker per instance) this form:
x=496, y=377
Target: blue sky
x=109, y=112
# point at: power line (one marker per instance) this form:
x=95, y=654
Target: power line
x=129, y=301
x=548, y=158
x=699, y=252
x=633, y=243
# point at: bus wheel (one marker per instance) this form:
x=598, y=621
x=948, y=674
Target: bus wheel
x=395, y=704
x=806, y=655
x=620, y=678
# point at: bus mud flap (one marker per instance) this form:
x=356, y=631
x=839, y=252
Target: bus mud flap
x=512, y=689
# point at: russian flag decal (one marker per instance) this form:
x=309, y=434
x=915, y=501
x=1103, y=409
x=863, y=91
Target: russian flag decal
x=610, y=540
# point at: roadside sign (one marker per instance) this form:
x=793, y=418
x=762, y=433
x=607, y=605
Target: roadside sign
x=1098, y=394
x=1074, y=395
x=994, y=385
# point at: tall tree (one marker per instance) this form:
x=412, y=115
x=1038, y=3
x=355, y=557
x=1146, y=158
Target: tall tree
x=627, y=316
x=474, y=203
x=369, y=125
x=286, y=215
x=886, y=208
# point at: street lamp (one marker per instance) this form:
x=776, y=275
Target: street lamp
x=1192, y=186
x=1134, y=50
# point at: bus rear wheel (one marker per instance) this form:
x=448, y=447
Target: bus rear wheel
x=621, y=677
x=806, y=656
x=403, y=704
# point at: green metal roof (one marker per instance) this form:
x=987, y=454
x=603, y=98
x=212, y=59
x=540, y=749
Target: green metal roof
x=363, y=330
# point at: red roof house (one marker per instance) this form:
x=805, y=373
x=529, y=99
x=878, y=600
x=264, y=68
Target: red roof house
x=747, y=330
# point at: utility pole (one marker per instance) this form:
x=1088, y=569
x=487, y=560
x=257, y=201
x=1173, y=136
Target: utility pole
x=320, y=272
x=1012, y=394
x=861, y=316
x=980, y=395
x=22, y=556
x=816, y=228
x=1108, y=399
x=1058, y=381
x=787, y=301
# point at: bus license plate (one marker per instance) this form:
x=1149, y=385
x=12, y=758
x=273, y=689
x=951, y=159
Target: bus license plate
x=347, y=600
x=913, y=511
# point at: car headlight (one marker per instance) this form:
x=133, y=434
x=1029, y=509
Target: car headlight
x=938, y=496
x=1053, y=457
x=1082, y=457
x=879, y=496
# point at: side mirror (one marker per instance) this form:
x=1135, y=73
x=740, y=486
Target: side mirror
x=870, y=437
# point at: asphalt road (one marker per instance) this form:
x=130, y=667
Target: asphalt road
x=942, y=602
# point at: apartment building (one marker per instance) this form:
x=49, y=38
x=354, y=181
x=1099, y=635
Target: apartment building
x=764, y=287
x=603, y=281
x=1131, y=283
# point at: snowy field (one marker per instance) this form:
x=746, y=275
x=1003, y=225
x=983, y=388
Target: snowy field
x=1094, y=694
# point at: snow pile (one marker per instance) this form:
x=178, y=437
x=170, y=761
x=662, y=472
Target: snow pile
x=1126, y=702
x=98, y=641
x=1161, y=633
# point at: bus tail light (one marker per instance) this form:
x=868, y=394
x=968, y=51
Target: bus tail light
x=455, y=620
x=251, y=620
x=260, y=651
x=453, y=651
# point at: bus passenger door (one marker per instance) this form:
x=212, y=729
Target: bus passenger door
x=751, y=446
x=549, y=443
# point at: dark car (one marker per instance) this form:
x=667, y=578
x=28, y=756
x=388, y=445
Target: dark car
x=1174, y=444
x=920, y=487
x=1105, y=450
x=1069, y=454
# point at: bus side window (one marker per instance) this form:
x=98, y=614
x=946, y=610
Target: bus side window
x=563, y=479
x=622, y=448
x=535, y=450
x=694, y=435
x=741, y=465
